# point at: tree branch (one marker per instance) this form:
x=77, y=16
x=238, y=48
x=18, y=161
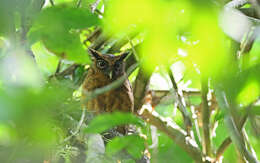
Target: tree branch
x=67, y=71
x=175, y=133
x=235, y=135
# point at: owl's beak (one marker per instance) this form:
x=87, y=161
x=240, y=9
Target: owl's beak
x=110, y=74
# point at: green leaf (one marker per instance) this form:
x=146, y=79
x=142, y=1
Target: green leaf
x=109, y=120
x=255, y=110
x=7, y=9
x=133, y=144
x=57, y=27
x=168, y=151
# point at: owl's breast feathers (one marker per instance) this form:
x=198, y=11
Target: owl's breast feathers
x=120, y=99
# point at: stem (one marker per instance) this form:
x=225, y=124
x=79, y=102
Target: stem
x=52, y=3
x=235, y=135
x=181, y=103
x=79, y=3
x=83, y=115
x=205, y=118
x=225, y=144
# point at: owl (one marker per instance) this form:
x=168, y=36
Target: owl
x=105, y=69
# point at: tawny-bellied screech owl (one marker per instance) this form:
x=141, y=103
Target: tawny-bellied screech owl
x=105, y=69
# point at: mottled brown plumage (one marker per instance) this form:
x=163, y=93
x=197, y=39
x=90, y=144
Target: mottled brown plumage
x=105, y=69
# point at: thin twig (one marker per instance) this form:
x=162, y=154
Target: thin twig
x=94, y=5
x=52, y=3
x=205, y=118
x=181, y=103
x=248, y=143
x=224, y=145
x=58, y=67
x=67, y=71
x=77, y=128
x=133, y=48
x=79, y=3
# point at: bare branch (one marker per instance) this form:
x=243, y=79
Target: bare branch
x=224, y=145
x=175, y=133
x=67, y=71
x=93, y=35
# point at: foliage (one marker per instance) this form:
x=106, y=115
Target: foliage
x=107, y=121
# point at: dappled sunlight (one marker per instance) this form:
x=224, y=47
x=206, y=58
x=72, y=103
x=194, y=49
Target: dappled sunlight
x=18, y=69
x=249, y=94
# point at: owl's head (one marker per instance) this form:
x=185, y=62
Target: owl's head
x=110, y=65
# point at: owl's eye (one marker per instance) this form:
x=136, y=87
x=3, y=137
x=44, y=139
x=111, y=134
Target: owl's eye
x=101, y=64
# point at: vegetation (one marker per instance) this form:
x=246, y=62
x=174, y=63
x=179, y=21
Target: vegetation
x=194, y=67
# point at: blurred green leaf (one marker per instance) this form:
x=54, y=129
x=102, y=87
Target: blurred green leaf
x=168, y=151
x=255, y=110
x=109, y=120
x=165, y=110
x=220, y=130
x=7, y=9
x=230, y=154
x=133, y=144
x=57, y=28
x=46, y=61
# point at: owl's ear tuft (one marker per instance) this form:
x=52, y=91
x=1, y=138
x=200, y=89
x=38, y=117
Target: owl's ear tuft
x=123, y=55
x=94, y=53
